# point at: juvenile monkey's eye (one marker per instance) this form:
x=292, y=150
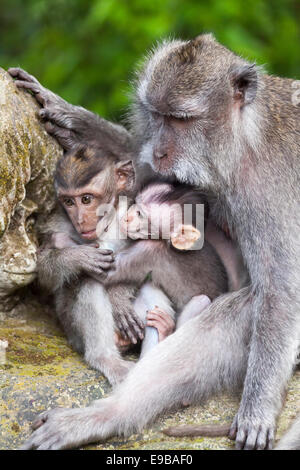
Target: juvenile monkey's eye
x=86, y=199
x=138, y=213
x=68, y=202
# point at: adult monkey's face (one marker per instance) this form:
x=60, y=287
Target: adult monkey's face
x=191, y=103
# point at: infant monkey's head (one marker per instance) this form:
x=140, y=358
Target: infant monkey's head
x=166, y=212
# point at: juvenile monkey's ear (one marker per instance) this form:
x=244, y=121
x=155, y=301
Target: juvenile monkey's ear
x=125, y=175
x=244, y=81
x=185, y=237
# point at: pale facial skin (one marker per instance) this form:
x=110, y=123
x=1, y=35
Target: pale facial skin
x=81, y=206
x=145, y=221
x=136, y=224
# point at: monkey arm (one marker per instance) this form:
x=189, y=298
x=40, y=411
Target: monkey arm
x=131, y=265
x=71, y=124
x=58, y=266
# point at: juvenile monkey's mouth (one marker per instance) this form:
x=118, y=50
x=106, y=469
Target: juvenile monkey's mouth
x=89, y=234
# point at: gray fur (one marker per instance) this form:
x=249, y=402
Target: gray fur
x=241, y=144
x=181, y=275
x=72, y=272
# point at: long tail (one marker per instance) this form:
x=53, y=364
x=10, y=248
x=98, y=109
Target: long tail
x=209, y=430
x=289, y=441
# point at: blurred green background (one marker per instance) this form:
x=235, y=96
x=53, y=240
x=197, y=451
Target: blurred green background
x=86, y=50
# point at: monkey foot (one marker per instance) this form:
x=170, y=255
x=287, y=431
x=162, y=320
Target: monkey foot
x=251, y=434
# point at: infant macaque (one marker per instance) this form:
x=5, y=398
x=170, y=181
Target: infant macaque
x=191, y=278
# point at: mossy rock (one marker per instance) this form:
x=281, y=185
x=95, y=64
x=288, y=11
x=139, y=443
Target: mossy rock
x=27, y=160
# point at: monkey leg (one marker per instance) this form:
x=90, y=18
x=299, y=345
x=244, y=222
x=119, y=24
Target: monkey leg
x=273, y=349
x=148, y=297
x=90, y=316
x=192, y=309
x=207, y=354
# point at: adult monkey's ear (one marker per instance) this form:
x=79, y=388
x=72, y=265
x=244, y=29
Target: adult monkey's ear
x=244, y=81
x=125, y=175
x=185, y=237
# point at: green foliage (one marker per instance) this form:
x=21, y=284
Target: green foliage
x=86, y=50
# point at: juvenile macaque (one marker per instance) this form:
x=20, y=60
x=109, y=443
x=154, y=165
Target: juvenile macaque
x=208, y=117
x=78, y=252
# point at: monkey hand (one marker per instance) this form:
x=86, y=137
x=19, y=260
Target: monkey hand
x=58, y=115
x=63, y=428
x=162, y=321
x=130, y=326
x=91, y=260
x=252, y=433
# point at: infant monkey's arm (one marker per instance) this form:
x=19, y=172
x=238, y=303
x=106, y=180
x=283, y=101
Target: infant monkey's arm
x=132, y=265
x=61, y=260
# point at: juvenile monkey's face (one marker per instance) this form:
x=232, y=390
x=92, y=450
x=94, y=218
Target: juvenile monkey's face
x=82, y=211
x=83, y=205
x=92, y=208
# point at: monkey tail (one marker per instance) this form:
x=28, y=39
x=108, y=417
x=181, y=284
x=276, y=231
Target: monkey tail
x=209, y=430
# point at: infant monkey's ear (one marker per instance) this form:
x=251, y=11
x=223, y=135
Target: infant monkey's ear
x=185, y=237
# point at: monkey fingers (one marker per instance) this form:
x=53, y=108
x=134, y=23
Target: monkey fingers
x=65, y=137
x=249, y=436
x=23, y=76
x=124, y=329
x=94, y=261
x=24, y=80
x=162, y=321
x=131, y=326
x=56, y=429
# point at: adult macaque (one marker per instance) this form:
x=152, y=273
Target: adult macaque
x=214, y=120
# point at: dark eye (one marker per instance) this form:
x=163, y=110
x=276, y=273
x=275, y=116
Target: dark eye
x=138, y=213
x=86, y=199
x=68, y=202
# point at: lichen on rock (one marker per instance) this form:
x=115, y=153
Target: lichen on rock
x=27, y=159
